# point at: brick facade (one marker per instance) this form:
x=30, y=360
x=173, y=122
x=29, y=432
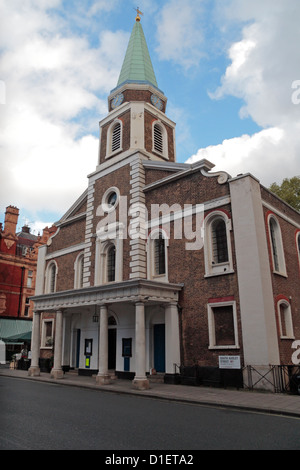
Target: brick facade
x=219, y=298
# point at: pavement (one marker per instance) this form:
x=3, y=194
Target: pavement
x=246, y=400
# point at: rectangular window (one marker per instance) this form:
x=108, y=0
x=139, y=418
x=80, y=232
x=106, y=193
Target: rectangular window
x=127, y=347
x=27, y=306
x=29, y=279
x=47, y=334
x=222, y=323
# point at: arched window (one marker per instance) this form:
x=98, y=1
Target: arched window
x=219, y=241
x=111, y=264
x=276, y=246
x=52, y=278
x=160, y=255
x=109, y=254
x=285, y=319
x=51, y=275
x=160, y=139
x=157, y=255
x=217, y=246
x=78, y=272
x=114, y=138
x=298, y=246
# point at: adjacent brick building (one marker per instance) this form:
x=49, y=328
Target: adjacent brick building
x=18, y=261
x=159, y=265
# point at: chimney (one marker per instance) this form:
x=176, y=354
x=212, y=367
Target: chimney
x=11, y=219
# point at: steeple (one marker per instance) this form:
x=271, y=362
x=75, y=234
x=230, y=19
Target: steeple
x=136, y=119
x=137, y=66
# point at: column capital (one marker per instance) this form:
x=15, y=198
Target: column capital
x=102, y=306
x=172, y=303
x=60, y=310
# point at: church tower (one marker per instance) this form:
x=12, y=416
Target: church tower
x=136, y=120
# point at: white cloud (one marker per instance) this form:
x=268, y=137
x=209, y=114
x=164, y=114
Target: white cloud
x=52, y=77
x=179, y=32
x=264, y=64
x=261, y=154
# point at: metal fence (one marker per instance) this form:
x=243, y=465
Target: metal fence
x=278, y=378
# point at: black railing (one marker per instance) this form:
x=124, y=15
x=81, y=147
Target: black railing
x=277, y=379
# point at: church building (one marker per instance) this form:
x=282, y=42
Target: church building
x=161, y=265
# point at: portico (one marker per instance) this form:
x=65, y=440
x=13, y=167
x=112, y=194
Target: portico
x=136, y=306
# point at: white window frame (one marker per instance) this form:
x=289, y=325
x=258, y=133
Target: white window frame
x=151, y=273
x=78, y=271
x=29, y=282
x=298, y=246
x=211, y=325
x=278, y=247
x=212, y=268
x=104, y=203
x=110, y=130
x=106, y=237
x=48, y=277
x=43, y=337
x=165, y=151
x=287, y=319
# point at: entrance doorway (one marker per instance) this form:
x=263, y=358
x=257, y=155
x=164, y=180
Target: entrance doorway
x=159, y=348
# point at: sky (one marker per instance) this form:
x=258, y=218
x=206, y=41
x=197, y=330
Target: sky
x=229, y=68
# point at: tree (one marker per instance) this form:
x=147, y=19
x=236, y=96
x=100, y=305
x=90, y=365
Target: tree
x=289, y=191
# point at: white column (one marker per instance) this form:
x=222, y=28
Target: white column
x=34, y=369
x=260, y=341
x=172, y=337
x=57, y=372
x=103, y=377
x=140, y=380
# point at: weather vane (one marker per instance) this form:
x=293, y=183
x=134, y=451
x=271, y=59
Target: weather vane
x=138, y=18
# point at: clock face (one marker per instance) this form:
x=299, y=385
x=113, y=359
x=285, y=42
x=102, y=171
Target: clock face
x=117, y=100
x=157, y=102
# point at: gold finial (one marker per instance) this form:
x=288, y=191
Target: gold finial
x=138, y=14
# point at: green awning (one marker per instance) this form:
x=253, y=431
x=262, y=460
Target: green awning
x=12, y=330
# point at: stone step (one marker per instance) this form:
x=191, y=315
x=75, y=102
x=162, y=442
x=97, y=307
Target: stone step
x=157, y=378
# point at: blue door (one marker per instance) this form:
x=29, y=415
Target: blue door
x=78, y=348
x=159, y=348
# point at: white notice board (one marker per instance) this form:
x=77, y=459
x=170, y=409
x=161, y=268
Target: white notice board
x=229, y=362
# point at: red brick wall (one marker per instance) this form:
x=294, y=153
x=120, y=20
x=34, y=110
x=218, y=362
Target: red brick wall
x=68, y=235
x=188, y=267
x=287, y=287
x=149, y=118
x=138, y=95
x=120, y=179
x=125, y=118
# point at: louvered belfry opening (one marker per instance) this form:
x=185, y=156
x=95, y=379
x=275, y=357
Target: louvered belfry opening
x=158, y=139
x=116, y=137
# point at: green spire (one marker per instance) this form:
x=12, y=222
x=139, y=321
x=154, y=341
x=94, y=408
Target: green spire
x=137, y=66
